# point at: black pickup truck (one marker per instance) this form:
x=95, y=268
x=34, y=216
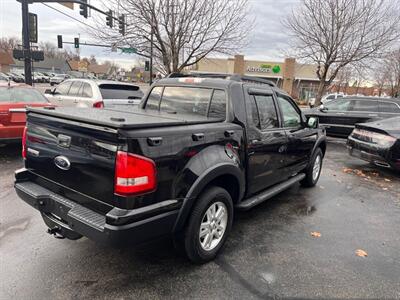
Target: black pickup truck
x=194, y=150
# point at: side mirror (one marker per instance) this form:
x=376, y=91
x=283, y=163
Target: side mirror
x=323, y=108
x=48, y=91
x=312, y=122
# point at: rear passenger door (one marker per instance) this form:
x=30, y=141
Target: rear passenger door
x=72, y=99
x=267, y=142
x=388, y=109
x=301, y=139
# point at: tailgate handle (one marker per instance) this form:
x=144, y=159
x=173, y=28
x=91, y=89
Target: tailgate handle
x=154, y=141
x=229, y=133
x=198, y=137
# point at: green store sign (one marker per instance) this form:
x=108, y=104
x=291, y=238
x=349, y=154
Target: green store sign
x=265, y=68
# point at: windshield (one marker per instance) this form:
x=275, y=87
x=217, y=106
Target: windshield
x=120, y=91
x=27, y=95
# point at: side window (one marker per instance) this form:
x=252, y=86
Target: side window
x=154, y=98
x=218, y=105
x=254, y=112
x=63, y=88
x=338, y=105
x=73, y=91
x=291, y=118
x=266, y=112
x=365, y=106
x=86, y=90
x=389, y=107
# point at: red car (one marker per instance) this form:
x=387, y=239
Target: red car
x=13, y=101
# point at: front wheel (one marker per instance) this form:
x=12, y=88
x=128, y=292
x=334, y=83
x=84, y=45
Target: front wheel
x=209, y=225
x=314, y=170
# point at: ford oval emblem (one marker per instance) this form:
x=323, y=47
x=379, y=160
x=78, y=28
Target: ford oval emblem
x=62, y=162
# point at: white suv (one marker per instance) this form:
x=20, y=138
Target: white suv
x=94, y=93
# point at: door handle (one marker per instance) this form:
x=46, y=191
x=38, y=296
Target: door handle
x=229, y=133
x=11, y=110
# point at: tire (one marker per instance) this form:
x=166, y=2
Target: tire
x=312, y=172
x=201, y=249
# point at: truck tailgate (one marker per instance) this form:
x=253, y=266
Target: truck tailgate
x=76, y=158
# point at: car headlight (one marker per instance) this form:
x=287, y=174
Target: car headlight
x=382, y=140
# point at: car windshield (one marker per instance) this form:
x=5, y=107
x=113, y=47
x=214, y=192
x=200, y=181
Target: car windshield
x=119, y=91
x=27, y=95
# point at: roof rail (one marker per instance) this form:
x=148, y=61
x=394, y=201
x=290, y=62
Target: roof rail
x=234, y=77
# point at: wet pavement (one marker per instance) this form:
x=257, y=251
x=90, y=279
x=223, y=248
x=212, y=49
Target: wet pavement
x=269, y=254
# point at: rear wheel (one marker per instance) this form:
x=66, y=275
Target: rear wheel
x=314, y=170
x=209, y=225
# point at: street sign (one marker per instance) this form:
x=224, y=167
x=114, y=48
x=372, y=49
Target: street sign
x=83, y=66
x=33, y=32
x=129, y=50
x=70, y=5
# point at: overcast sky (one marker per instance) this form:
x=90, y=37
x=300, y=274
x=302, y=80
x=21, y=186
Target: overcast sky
x=268, y=41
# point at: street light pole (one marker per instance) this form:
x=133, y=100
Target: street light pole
x=26, y=42
x=151, y=49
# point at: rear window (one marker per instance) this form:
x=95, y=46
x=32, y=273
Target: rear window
x=185, y=100
x=21, y=95
x=188, y=100
x=119, y=91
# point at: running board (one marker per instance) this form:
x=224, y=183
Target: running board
x=269, y=193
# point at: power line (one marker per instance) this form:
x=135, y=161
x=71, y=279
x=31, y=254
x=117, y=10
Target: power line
x=69, y=16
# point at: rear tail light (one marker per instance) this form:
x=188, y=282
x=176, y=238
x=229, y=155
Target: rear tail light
x=24, y=142
x=98, y=104
x=383, y=140
x=134, y=174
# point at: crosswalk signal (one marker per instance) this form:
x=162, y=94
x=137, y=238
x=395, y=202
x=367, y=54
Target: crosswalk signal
x=83, y=9
x=121, y=24
x=76, y=43
x=147, y=66
x=59, y=41
x=109, y=19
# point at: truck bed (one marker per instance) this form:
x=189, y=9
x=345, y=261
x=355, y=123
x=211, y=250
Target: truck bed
x=121, y=118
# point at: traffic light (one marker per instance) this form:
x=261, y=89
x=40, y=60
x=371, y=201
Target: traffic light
x=122, y=24
x=147, y=66
x=83, y=9
x=59, y=41
x=109, y=19
x=76, y=43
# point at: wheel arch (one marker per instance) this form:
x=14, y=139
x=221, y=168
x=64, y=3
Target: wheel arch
x=227, y=176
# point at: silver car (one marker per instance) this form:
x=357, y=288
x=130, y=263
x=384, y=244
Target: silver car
x=94, y=93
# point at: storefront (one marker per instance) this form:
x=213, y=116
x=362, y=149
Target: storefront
x=299, y=80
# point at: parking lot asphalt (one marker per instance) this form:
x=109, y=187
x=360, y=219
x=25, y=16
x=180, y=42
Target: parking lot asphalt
x=270, y=253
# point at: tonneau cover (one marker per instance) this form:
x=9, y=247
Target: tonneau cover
x=124, y=117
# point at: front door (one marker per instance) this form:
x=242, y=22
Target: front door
x=301, y=139
x=267, y=143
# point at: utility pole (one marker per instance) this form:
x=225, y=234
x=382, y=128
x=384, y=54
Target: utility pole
x=151, y=49
x=26, y=42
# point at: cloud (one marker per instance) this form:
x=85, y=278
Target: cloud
x=268, y=40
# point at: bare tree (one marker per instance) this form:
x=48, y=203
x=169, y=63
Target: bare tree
x=9, y=43
x=336, y=33
x=185, y=31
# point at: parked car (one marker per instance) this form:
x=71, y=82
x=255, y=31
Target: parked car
x=5, y=76
x=58, y=78
x=329, y=97
x=340, y=116
x=94, y=93
x=377, y=142
x=13, y=100
x=16, y=77
x=178, y=165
